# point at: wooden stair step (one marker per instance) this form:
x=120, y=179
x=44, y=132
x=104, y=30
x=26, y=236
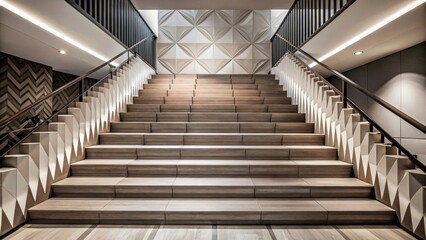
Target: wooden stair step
x=211, y=152
x=201, y=92
x=162, y=76
x=185, y=76
x=212, y=127
x=217, y=187
x=211, y=139
x=202, y=167
x=166, y=85
x=191, y=80
x=213, y=211
x=210, y=117
x=211, y=100
x=237, y=96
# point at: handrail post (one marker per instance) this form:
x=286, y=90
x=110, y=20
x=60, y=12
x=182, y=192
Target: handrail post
x=345, y=93
x=81, y=86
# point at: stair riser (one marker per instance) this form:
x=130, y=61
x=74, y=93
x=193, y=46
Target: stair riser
x=293, y=171
x=202, y=92
x=212, y=94
x=167, y=86
x=212, y=108
x=212, y=81
x=201, y=218
x=211, y=100
x=197, y=91
x=145, y=127
x=123, y=139
x=117, y=191
x=209, y=153
x=211, y=117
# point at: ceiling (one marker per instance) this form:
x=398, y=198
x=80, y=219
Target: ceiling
x=24, y=39
x=402, y=33
x=212, y=4
x=21, y=38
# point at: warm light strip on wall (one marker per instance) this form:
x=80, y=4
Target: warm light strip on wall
x=34, y=20
x=370, y=30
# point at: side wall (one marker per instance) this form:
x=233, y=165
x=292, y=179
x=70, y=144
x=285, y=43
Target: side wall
x=400, y=79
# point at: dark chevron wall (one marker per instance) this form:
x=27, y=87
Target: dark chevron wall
x=21, y=83
x=60, y=79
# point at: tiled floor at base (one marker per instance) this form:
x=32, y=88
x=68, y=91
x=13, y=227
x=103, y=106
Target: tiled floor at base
x=207, y=232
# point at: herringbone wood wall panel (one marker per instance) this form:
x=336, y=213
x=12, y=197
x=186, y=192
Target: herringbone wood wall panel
x=60, y=79
x=216, y=41
x=22, y=83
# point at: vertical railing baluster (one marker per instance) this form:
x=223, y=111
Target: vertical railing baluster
x=334, y=7
x=345, y=94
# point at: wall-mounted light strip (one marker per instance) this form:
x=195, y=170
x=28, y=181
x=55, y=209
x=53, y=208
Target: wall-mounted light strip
x=34, y=20
x=414, y=4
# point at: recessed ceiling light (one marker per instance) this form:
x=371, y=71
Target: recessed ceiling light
x=9, y=5
x=377, y=26
x=62, y=52
x=359, y=53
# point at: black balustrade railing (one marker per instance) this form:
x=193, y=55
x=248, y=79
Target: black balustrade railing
x=303, y=21
x=122, y=21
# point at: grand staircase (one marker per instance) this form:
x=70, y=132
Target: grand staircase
x=216, y=149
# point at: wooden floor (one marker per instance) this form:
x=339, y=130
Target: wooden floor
x=207, y=232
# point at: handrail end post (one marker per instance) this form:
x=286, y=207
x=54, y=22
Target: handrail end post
x=345, y=93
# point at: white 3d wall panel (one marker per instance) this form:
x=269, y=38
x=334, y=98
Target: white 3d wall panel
x=216, y=41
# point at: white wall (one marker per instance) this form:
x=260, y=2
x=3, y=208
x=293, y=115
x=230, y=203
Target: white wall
x=151, y=18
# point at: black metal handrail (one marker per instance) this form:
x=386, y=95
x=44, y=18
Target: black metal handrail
x=76, y=80
x=345, y=80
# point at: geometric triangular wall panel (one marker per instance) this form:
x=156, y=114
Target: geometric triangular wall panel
x=216, y=41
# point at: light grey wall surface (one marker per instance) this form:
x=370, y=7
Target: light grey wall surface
x=400, y=79
x=216, y=41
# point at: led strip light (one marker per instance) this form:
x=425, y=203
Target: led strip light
x=34, y=20
x=370, y=30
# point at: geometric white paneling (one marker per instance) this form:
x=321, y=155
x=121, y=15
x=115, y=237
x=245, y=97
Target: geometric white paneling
x=215, y=41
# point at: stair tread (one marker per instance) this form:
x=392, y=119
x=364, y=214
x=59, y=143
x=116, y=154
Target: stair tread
x=212, y=181
x=213, y=205
x=210, y=147
x=209, y=162
x=213, y=134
